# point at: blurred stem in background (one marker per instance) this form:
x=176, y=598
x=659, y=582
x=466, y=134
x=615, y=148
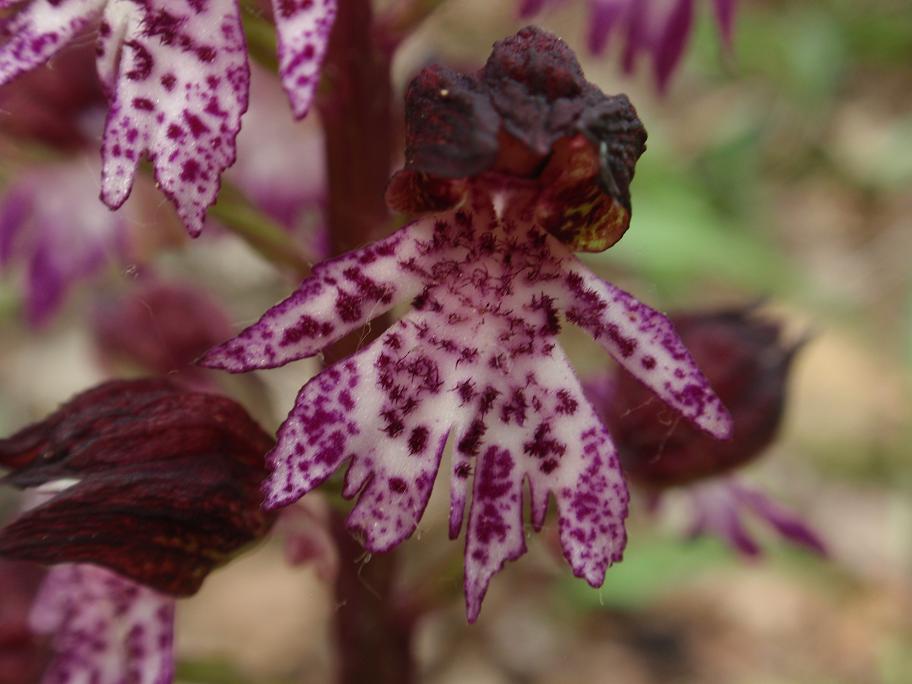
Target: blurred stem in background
x=373, y=642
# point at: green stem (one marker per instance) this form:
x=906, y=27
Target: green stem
x=261, y=37
x=264, y=235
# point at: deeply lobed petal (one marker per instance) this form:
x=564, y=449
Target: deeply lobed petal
x=303, y=28
x=340, y=295
x=530, y=423
x=105, y=629
x=180, y=89
x=645, y=343
x=476, y=356
x=40, y=30
x=380, y=409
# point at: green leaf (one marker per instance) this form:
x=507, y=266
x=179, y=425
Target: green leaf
x=650, y=568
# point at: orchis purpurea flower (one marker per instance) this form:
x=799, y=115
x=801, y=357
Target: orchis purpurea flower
x=747, y=362
x=659, y=28
x=514, y=168
x=59, y=237
x=177, y=78
x=158, y=484
x=104, y=629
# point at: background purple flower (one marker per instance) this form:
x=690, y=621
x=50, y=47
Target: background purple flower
x=747, y=362
x=53, y=228
x=660, y=29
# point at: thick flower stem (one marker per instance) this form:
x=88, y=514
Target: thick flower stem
x=373, y=641
x=355, y=108
x=374, y=635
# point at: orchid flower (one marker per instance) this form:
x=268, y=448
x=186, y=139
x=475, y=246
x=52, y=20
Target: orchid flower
x=60, y=237
x=177, y=77
x=513, y=169
x=105, y=629
x=660, y=28
x=748, y=363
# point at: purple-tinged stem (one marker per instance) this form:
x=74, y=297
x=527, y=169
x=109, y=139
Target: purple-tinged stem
x=355, y=105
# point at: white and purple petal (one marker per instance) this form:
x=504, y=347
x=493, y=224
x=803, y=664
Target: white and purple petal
x=645, y=343
x=339, y=296
x=303, y=28
x=531, y=424
x=179, y=92
x=384, y=409
x=41, y=29
x=105, y=629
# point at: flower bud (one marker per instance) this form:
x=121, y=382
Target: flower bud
x=160, y=327
x=155, y=483
x=746, y=362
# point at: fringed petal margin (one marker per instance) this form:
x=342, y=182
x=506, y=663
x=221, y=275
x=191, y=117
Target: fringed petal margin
x=645, y=343
x=340, y=295
x=178, y=95
x=303, y=28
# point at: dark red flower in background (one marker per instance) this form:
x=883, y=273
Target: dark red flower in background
x=161, y=328
x=158, y=484
x=747, y=362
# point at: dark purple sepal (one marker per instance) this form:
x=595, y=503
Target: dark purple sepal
x=531, y=114
x=452, y=124
x=573, y=206
x=614, y=129
x=415, y=193
x=537, y=86
x=163, y=483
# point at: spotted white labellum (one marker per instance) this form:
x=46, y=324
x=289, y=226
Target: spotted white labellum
x=477, y=357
